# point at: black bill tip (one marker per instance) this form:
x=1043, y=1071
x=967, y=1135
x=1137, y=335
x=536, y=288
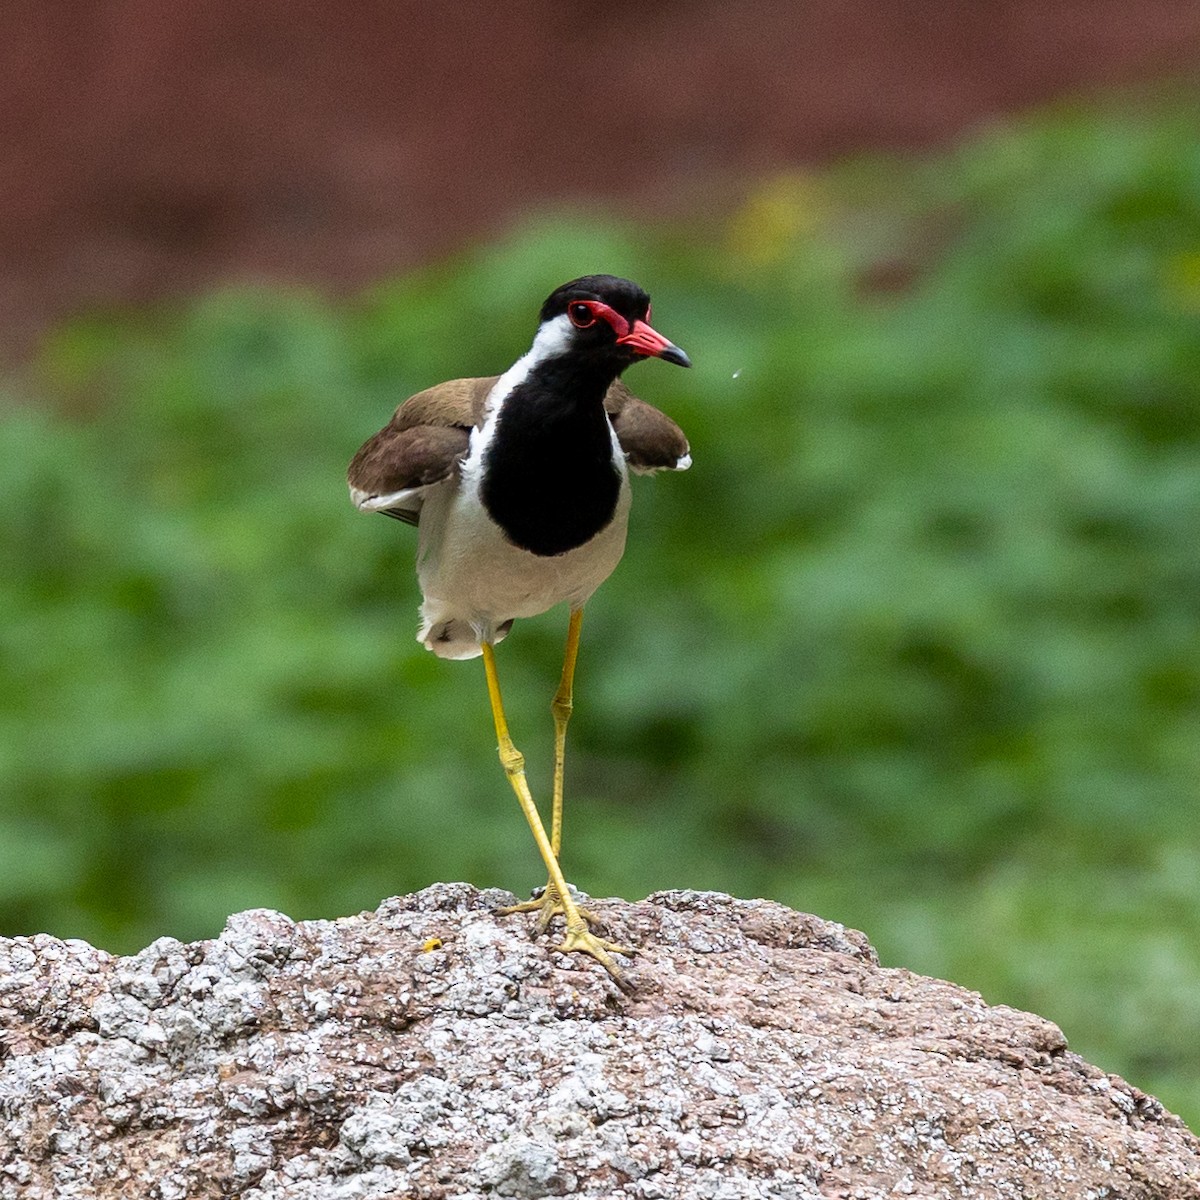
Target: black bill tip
x=673, y=354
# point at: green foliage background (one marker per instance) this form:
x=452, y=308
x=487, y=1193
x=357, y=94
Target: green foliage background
x=915, y=645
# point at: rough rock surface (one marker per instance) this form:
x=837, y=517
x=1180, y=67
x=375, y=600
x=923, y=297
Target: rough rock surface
x=433, y=1050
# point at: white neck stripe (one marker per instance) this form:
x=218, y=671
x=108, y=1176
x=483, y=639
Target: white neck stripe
x=553, y=340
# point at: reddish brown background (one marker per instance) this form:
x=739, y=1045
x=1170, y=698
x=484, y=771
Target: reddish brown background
x=149, y=148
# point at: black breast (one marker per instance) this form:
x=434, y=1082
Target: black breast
x=549, y=479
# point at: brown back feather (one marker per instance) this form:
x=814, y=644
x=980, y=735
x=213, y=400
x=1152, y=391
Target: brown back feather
x=456, y=402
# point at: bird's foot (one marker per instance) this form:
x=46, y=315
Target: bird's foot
x=581, y=940
x=578, y=937
x=547, y=904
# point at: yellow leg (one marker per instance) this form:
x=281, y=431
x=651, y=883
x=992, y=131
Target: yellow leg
x=561, y=706
x=578, y=936
x=548, y=905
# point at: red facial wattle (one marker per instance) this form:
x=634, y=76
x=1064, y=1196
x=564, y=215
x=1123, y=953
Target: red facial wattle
x=638, y=336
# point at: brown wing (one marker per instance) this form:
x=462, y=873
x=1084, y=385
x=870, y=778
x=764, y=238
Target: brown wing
x=650, y=439
x=457, y=402
x=429, y=433
x=422, y=444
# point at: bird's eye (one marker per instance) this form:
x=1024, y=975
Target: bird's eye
x=581, y=315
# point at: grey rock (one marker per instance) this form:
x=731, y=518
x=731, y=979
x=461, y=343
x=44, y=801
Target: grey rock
x=434, y=1050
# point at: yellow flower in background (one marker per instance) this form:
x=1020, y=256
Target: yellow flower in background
x=776, y=215
x=1181, y=279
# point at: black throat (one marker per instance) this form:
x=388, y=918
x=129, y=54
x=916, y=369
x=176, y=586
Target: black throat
x=549, y=478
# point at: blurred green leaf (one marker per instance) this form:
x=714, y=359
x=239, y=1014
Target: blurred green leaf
x=916, y=643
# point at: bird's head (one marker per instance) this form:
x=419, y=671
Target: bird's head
x=608, y=318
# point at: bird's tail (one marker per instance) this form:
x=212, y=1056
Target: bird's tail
x=455, y=638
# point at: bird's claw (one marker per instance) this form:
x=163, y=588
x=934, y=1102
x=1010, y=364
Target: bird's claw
x=548, y=905
x=580, y=939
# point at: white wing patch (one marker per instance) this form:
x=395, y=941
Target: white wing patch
x=680, y=464
x=366, y=502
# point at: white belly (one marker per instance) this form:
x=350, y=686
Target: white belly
x=475, y=582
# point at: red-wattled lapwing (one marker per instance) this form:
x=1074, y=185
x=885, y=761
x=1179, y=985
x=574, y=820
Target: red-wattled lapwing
x=519, y=485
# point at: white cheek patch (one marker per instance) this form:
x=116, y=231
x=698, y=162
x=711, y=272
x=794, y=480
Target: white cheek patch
x=553, y=339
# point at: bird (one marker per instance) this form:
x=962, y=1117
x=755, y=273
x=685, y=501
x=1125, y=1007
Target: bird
x=518, y=485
